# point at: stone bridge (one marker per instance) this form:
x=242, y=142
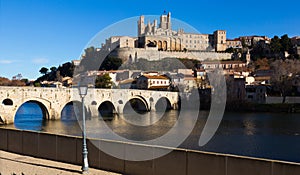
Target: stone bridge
x=53, y=100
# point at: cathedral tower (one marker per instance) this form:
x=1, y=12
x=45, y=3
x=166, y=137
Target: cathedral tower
x=141, y=26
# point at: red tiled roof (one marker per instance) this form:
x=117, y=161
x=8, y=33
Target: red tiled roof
x=158, y=87
x=156, y=77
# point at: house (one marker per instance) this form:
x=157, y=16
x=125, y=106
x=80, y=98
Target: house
x=127, y=84
x=236, y=91
x=263, y=76
x=256, y=93
x=221, y=64
x=67, y=81
x=234, y=43
x=153, y=82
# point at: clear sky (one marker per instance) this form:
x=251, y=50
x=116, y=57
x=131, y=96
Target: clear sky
x=36, y=33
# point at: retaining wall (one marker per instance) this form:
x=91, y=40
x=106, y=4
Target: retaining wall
x=178, y=162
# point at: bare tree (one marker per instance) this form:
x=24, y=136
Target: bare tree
x=283, y=74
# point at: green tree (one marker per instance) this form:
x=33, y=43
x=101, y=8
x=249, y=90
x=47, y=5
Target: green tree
x=111, y=63
x=103, y=81
x=44, y=70
x=53, y=69
x=275, y=45
x=286, y=43
x=244, y=45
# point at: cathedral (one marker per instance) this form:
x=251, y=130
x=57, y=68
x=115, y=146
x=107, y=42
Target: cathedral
x=161, y=37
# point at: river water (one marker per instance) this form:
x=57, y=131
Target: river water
x=263, y=135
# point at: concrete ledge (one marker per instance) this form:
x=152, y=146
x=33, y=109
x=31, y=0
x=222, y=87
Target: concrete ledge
x=47, y=146
x=176, y=162
x=3, y=139
x=93, y=152
x=30, y=143
x=285, y=169
x=109, y=162
x=173, y=163
x=238, y=166
x=14, y=141
x=79, y=151
x=200, y=163
x=66, y=149
x=136, y=152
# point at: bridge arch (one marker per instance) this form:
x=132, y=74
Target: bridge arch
x=106, y=109
x=43, y=105
x=138, y=103
x=163, y=104
x=71, y=110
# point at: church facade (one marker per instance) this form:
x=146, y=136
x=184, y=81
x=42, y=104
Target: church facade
x=161, y=37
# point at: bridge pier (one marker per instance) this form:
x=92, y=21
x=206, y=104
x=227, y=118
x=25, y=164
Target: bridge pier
x=120, y=108
x=152, y=106
x=7, y=117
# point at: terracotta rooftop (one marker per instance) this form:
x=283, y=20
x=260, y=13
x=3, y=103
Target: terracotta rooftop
x=156, y=77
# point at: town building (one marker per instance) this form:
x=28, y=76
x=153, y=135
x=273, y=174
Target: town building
x=295, y=41
x=221, y=64
x=236, y=91
x=256, y=93
x=253, y=40
x=153, y=81
x=234, y=43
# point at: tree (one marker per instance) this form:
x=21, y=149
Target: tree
x=244, y=45
x=44, y=70
x=284, y=73
x=111, y=63
x=103, y=81
x=286, y=43
x=275, y=44
x=53, y=69
x=262, y=64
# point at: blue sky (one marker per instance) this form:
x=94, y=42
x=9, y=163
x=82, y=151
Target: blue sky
x=36, y=33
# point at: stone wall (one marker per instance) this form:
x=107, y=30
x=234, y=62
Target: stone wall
x=68, y=149
x=133, y=54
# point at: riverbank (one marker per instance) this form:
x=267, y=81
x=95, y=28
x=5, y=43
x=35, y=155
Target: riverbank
x=17, y=164
x=253, y=107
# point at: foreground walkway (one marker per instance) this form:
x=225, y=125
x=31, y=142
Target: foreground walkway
x=11, y=163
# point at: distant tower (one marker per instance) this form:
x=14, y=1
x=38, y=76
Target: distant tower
x=154, y=26
x=169, y=21
x=220, y=40
x=248, y=57
x=141, y=26
x=165, y=21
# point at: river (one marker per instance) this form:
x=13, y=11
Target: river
x=262, y=135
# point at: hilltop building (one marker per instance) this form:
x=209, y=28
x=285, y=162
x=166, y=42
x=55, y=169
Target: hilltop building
x=158, y=40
